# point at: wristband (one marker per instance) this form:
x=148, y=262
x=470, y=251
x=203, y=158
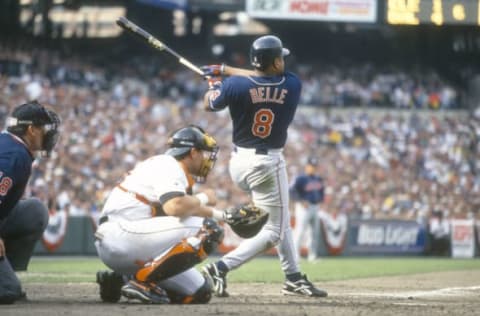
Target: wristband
x=218, y=215
x=203, y=198
x=222, y=69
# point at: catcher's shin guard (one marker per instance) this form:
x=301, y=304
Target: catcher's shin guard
x=183, y=255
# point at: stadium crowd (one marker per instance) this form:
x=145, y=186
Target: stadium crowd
x=377, y=164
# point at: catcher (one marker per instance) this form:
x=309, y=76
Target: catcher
x=153, y=230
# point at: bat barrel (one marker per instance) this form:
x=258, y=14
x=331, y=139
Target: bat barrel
x=126, y=24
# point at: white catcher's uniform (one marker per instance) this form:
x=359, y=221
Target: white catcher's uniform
x=134, y=234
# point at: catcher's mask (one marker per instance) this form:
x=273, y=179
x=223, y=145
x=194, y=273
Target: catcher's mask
x=33, y=113
x=184, y=139
x=265, y=49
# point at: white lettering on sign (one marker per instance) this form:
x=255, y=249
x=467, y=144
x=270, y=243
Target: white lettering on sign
x=389, y=235
x=370, y=235
x=401, y=236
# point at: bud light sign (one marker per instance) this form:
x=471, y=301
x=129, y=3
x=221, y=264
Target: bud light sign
x=386, y=237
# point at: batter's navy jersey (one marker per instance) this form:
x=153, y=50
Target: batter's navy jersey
x=308, y=188
x=15, y=168
x=261, y=108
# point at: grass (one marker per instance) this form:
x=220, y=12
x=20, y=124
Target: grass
x=82, y=269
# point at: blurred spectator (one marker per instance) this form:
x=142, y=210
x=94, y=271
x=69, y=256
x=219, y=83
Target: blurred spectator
x=439, y=232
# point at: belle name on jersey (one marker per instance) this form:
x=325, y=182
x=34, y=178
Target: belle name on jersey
x=268, y=94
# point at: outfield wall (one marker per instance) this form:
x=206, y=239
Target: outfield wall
x=66, y=235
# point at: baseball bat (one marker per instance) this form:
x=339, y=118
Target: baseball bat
x=128, y=25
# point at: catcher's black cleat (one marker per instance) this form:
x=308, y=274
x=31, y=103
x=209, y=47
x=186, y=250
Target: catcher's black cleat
x=149, y=293
x=302, y=287
x=10, y=299
x=110, y=285
x=217, y=279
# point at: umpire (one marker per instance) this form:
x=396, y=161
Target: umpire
x=31, y=128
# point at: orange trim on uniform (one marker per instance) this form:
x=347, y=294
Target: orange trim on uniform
x=141, y=198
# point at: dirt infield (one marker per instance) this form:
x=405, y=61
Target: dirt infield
x=445, y=293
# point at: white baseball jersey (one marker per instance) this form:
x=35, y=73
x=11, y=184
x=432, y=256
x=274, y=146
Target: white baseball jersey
x=134, y=233
x=156, y=179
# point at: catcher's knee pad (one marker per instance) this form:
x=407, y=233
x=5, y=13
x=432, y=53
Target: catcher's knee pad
x=212, y=235
x=201, y=296
x=183, y=255
x=177, y=259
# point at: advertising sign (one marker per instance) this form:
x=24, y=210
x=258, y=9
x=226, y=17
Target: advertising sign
x=386, y=237
x=463, y=238
x=314, y=10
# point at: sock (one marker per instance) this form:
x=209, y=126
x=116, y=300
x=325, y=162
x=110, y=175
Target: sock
x=294, y=277
x=222, y=266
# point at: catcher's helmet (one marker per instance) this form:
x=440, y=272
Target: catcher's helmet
x=184, y=139
x=265, y=49
x=33, y=113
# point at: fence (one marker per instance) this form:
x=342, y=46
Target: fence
x=341, y=236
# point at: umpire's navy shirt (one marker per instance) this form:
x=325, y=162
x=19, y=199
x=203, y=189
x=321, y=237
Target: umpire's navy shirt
x=261, y=108
x=15, y=168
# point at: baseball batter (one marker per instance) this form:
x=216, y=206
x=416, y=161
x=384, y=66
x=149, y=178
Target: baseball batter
x=154, y=230
x=262, y=104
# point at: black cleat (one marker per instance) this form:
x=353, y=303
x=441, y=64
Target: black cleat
x=302, y=287
x=110, y=286
x=217, y=279
x=149, y=293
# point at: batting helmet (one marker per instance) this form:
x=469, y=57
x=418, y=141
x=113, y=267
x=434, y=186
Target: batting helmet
x=265, y=49
x=184, y=139
x=33, y=113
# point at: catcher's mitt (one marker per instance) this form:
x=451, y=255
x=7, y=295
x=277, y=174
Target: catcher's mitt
x=246, y=220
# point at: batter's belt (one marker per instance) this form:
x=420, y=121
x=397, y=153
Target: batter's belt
x=257, y=151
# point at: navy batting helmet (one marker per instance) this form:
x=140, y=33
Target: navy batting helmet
x=265, y=49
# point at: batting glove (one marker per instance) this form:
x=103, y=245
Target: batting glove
x=213, y=70
x=214, y=82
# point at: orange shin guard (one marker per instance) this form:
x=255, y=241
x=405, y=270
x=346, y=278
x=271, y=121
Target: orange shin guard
x=177, y=259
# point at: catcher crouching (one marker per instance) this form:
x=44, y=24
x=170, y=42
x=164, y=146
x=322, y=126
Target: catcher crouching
x=153, y=230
